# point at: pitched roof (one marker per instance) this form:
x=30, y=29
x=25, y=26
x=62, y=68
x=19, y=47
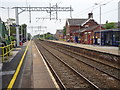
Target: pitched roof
x=89, y=28
x=86, y=29
x=60, y=30
x=76, y=22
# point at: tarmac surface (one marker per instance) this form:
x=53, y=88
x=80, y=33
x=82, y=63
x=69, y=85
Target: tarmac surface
x=33, y=73
x=9, y=67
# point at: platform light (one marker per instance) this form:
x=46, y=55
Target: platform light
x=100, y=20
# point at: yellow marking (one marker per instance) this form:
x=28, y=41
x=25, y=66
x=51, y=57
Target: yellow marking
x=53, y=79
x=17, y=70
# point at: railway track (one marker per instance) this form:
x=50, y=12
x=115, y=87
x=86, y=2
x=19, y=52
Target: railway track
x=69, y=77
x=101, y=66
x=97, y=77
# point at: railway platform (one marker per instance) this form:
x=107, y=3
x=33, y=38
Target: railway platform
x=42, y=77
x=107, y=49
x=27, y=69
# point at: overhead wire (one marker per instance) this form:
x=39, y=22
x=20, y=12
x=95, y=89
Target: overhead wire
x=91, y=8
x=88, y=8
x=109, y=11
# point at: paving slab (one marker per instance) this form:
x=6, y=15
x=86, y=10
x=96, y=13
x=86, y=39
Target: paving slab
x=41, y=76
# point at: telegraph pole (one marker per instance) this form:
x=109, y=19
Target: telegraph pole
x=56, y=12
x=70, y=11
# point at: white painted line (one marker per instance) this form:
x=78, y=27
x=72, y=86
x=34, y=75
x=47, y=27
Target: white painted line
x=53, y=79
x=7, y=72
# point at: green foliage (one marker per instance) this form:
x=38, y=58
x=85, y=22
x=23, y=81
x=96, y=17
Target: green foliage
x=29, y=36
x=64, y=30
x=23, y=30
x=12, y=30
x=12, y=38
x=48, y=36
x=110, y=25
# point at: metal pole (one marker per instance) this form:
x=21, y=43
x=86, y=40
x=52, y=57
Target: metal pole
x=29, y=15
x=9, y=29
x=39, y=32
x=8, y=13
x=26, y=34
x=56, y=12
x=17, y=27
x=43, y=35
x=70, y=11
x=21, y=32
x=8, y=22
x=50, y=10
x=100, y=27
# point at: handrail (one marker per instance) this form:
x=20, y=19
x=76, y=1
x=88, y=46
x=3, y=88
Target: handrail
x=5, y=50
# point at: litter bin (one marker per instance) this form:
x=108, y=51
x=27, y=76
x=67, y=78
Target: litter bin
x=20, y=43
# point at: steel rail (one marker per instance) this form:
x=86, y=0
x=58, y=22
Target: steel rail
x=61, y=85
x=89, y=64
x=95, y=86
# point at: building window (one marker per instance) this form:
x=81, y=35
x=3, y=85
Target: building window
x=85, y=34
x=86, y=26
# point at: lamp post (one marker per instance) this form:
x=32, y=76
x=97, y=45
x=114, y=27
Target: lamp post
x=100, y=21
x=8, y=8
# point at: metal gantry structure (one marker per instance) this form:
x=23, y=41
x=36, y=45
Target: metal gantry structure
x=49, y=10
x=38, y=28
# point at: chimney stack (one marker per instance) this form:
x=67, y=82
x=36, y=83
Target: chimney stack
x=90, y=15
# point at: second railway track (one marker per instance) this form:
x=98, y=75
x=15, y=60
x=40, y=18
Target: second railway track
x=113, y=71
x=99, y=79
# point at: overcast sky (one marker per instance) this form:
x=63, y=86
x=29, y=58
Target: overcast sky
x=81, y=9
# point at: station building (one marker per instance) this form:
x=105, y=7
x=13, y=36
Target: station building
x=82, y=30
x=109, y=37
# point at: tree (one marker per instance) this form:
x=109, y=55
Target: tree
x=64, y=30
x=12, y=29
x=49, y=35
x=23, y=30
x=110, y=25
x=29, y=36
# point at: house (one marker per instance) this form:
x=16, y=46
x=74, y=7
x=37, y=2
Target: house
x=87, y=34
x=59, y=34
x=82, y=29
x=71, y=26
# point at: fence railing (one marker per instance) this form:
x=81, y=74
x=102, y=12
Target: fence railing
x=5, y=50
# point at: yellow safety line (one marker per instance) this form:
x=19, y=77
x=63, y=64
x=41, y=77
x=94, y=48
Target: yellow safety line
x=17, y=70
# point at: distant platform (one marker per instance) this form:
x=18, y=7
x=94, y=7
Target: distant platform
x=108, y=49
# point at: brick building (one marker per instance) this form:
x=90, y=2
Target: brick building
x=59, y=34
x=82, y=29
x=71, y=26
